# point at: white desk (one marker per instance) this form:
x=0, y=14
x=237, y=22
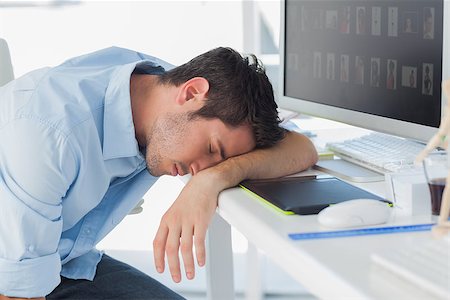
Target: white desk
x=332, y=269
x=338, y=268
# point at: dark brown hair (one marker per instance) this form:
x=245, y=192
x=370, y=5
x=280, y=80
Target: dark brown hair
x=239, y=92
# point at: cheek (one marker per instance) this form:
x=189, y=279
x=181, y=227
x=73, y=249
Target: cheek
x=184, y=146
x=191, y=149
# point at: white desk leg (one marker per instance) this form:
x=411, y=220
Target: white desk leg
x=253, y=290
x=219, y=261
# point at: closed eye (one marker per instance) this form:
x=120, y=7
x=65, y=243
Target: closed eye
x=221, y=150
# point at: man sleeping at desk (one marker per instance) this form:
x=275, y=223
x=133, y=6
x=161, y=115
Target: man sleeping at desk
x=83, y=142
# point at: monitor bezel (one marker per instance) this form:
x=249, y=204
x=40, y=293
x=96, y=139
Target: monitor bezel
x=365, y=120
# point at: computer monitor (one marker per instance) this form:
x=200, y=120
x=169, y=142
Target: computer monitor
x=373, y=64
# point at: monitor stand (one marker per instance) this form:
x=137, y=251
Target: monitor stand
x=348, y=171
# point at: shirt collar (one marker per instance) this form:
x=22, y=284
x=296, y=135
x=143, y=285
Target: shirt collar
x=119, y=137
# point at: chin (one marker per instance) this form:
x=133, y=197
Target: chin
x=154, y=171
x=153, y=167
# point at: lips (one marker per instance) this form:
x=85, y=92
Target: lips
x=179, y=168
x=174, y=170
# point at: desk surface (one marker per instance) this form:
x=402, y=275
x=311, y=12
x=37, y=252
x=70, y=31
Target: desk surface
x=328, y=268
x=336, y=268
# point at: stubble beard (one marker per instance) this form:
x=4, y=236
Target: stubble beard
x=165, y=135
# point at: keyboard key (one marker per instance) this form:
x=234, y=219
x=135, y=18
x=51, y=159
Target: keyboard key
x=379, y=152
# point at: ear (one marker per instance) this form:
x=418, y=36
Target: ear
x=195, y=89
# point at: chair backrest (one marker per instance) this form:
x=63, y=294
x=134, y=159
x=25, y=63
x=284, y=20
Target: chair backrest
x=6, y=69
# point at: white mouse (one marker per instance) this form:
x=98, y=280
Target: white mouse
x=355, y=213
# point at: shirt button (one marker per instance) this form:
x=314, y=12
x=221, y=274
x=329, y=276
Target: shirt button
x=87, y=231
x=31, y=248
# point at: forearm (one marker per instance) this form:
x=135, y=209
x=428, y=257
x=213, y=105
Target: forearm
x=291, y=155
x=14, y=298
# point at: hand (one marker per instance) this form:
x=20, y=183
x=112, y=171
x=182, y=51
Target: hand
x=186, y=220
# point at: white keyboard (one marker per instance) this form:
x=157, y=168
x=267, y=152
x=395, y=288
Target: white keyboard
x=379, y=152
x=426, y=265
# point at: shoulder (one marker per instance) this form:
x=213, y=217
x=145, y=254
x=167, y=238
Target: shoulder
x=108, y=56
x=112, y=56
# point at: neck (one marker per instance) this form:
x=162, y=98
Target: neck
x=143, y=104
x=149, y=101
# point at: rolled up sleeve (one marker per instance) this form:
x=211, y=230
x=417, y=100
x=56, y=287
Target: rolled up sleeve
x=37, y=168
x=30, y=277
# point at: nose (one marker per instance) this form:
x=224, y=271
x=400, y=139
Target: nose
x=204, y=163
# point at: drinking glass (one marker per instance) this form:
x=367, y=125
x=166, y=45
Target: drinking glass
x=436, y=168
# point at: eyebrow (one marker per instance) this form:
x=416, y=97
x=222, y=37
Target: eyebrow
x=221, y=150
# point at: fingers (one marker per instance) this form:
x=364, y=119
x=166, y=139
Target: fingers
x=159, y=247
x=169, y=241
x=199, y=242
x=172, y=246
x=186, y=251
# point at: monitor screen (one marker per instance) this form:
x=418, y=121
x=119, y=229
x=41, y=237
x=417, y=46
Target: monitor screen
x=379, y=58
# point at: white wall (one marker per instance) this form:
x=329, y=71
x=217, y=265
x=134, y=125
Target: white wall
x=172, y=30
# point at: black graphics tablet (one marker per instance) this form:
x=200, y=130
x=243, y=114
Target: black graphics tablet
x=304, y=195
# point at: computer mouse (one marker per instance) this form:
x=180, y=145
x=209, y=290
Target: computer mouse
x=355, y=213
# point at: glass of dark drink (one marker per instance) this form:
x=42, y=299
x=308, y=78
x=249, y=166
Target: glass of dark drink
x=436, y=169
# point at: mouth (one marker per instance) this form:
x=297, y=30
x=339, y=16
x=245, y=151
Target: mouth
x=180, y=170
x=177, y=170
x=174, y=171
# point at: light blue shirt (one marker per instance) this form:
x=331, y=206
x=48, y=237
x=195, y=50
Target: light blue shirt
x=70, y=167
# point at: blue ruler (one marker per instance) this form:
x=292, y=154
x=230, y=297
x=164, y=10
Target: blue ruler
x=361, y=231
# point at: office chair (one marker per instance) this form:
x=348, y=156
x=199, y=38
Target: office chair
x=6, y=69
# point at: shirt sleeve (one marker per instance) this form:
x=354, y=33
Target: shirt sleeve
x=37, y=168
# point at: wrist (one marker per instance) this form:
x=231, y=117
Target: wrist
x=226, y=174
